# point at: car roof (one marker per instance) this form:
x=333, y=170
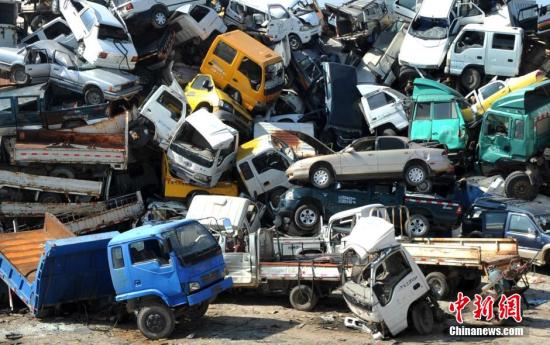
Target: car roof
x=250, y=47
x=435, y=8
x=148, y=230
x=493, y=28
x=50, y=46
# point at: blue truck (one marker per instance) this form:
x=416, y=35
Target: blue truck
x=158, y=272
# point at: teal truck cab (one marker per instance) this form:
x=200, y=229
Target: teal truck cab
x=437, y=116
x=515, y=140
x=158, y=272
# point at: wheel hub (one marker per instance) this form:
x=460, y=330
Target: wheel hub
x=160, y=18
x=417, y=226
x=320, y=177
x=308, y=217
x=155, y=322
x=416, y=175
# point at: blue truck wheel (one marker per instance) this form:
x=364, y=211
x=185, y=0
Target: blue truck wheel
x=156, y=321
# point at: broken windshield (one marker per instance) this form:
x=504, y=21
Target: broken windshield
x=192, y=242
x=430, y=28
x=192, y=145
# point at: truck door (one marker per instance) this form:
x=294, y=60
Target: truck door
x=503, y=56
x=151, y=268
x=280, y=22
x=75, y=20
x=241, y=265
x=37, y=65
x=469, y=13
x=219, y=63
x=468, y=49
x=234, y=14
x=525, y=232
x=494, y=141
x=448, y=125
x=421, y=125
x=269, y=170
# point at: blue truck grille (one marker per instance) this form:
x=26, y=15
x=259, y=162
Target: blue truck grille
x=210, y=277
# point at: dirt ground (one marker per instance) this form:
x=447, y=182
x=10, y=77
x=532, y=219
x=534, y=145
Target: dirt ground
x=245, y=318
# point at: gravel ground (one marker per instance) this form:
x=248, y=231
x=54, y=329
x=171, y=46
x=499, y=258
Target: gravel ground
x=245, y=318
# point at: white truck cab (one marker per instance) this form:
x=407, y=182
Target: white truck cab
x=295, y=18
x=202, y=149
x=196, y=21
x=432, y=30
x=385, y=109
x=481, y=50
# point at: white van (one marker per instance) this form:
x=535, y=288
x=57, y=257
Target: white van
x=157, y=11
x=482, y=50
x=298, y=18
x=55, y=30
x=190, y=21
x=103, y=39
x=202, y=149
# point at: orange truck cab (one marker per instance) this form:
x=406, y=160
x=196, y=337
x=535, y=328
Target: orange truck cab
x=245, y=69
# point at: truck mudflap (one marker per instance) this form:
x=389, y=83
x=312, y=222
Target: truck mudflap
x=210, y=292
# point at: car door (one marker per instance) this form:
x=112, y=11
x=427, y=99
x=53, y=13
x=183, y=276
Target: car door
x=73, y=18
x=279, y=22
x=219, y=63
x=165, y=108
x=64, y=71
x=358, y=160
x=406, y=9
x=468, y=49
x=346, y=199
x=421, y=125
x=393, y=153
x=270, y=170
x=521, y=228
x=447, y=125
x=37, y=65
x=469, y=13
x=494, y=144
x=502, y=56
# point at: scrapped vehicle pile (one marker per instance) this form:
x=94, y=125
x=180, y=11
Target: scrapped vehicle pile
x=310, y=145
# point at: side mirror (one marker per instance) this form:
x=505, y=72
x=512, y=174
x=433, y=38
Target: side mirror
x=227, y=226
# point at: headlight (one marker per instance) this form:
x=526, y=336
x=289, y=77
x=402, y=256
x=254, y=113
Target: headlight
x=194, y=286
x=305, y=28
x=202, y=178
x=289, y=196
x=225, y=106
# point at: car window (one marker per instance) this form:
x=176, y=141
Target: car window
x=422, y=111
x=246, y=171
x=504, y=41
x=225, y=52
x=59, y=28
x=88, y=19
x=252, y=71
x=496, y=125
x=470, y=39
x=366, y=144
x=147, y=250
x=542, y=126
x=518, y=129
x=390, y=143
x=269, y=161
x=520, y=223
x=199, y=12
x=201, y=82
x=172, y=104
x=490, y=89
x=116, y=257
x=379, y=100
x=443, y=111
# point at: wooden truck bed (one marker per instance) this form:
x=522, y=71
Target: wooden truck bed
x=23, y=249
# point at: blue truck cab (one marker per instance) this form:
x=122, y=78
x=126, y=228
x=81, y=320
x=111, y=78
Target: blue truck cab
x=166, y=271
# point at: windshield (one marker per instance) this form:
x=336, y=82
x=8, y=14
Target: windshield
x=429, y=28
x=192, y=242
x=191, y=144
x=111, y=32
x=301, y=7
x=274, y=75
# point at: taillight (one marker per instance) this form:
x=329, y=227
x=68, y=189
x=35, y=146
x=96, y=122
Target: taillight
x=134, y=58
x=129, y=7
x=102, y=55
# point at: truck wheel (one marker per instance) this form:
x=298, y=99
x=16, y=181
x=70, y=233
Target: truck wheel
x=417, y=226
x=415, y=174
x=438, y=284
x=517, y=185
x=303, y=298
x=389, y=132
x=19, y=76
x=306, y=217
x=93, y=95
x=159, y=17
x=294, y=41
x=37, y=22
x=155, y=321
x=321, y=176
x=425, y=187
x=195, y=312
x=422, y=317
x=470, y=79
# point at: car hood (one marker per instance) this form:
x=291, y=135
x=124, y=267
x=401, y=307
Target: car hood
x=422, y=53
x=10, y=56
x=111, y=76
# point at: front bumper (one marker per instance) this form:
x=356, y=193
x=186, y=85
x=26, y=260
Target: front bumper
x=127, y=93
x=210, y=292
x=187, y=176
x=301, y=174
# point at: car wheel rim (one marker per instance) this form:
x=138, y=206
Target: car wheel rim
x=436, y=287
x=417, y=227
x=155, y=322
x=160, y=18
x=320, y=177
x=294, y=43
x=20, y=76
x=416, y=175
x=94, y=98
x=308, y=217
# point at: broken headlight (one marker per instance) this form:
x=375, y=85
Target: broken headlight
x=194, y=286
x=289, y=195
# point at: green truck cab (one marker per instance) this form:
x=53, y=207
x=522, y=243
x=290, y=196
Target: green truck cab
x=515, y=140
x=437, y=116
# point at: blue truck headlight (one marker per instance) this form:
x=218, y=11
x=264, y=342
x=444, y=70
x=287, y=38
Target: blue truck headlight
x=194, y=286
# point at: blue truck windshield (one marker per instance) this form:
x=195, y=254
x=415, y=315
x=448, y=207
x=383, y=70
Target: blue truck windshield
x=192, y=242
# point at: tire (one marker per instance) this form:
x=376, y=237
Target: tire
x=50, y=198
x=389, y=132
x=470, y=79
x=306, y=217
x=93, y=96
x=19, y=76
x=415, y=174
x=206, y=106
x=62, y=172
x=155, y=321
x=425, y=187
x=159, y=17
x=303, y=298
x=196, y=312
x=422, y=317
x=438, y=284
x=272, y=200
x=407, y=75
x=417, y=226
x=37, y=22
x=294, y=41
x=517, y=185
x=73, y=123
x=475, y=234
x=321, y=176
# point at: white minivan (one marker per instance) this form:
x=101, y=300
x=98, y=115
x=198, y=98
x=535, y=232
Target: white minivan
x=103, y=39
x=158, y=10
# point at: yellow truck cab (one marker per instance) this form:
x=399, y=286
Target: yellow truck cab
x=245, y=69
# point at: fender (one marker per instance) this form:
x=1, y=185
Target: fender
x=145, y=293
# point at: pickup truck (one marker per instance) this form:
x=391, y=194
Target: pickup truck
x=159, y=273
x=526, y=222
x=36, y=107
x=301, y=208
